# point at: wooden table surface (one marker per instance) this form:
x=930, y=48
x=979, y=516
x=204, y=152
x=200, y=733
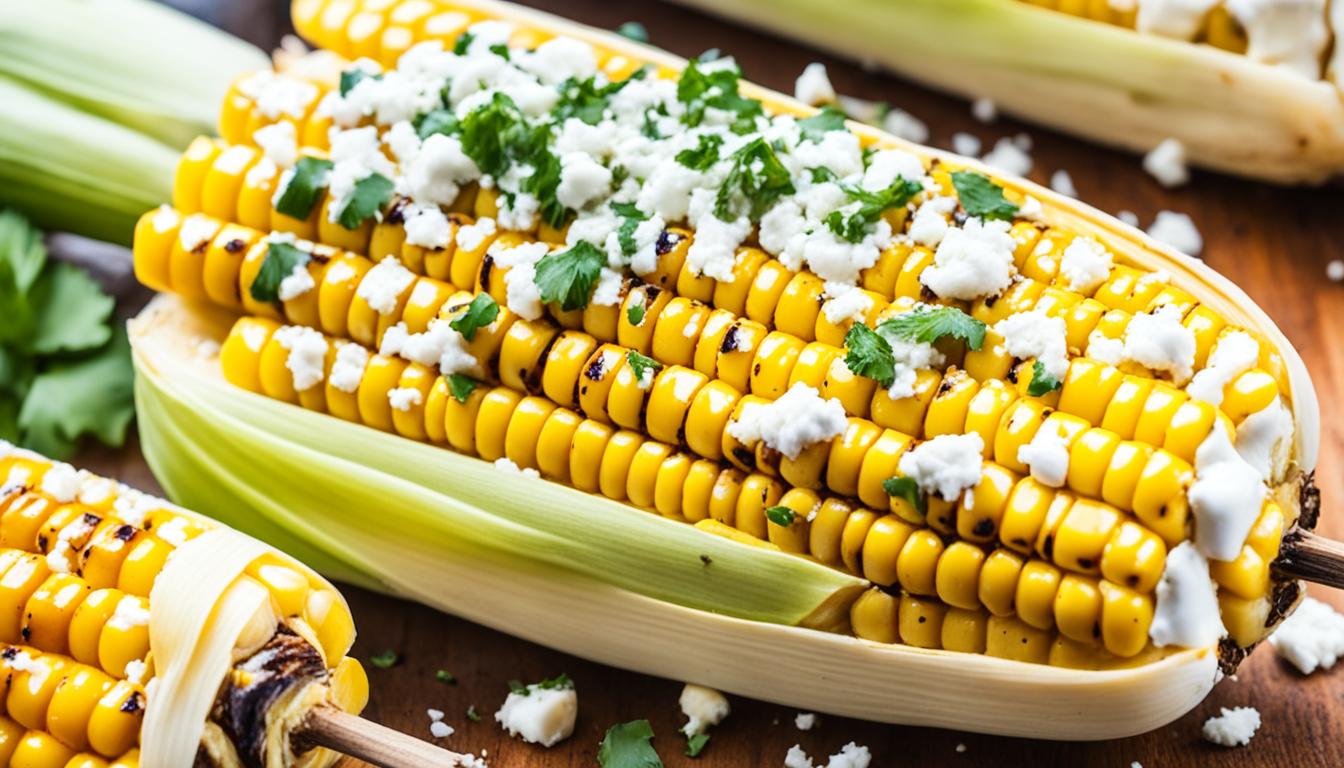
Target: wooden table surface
x=1274, y=242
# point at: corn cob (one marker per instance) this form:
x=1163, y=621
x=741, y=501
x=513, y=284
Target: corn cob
x=85, y=570
x=655, y=397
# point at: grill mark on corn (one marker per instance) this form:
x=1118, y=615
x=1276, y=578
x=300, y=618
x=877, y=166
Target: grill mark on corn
x=730, y=338
x=667, y=240
x=397, y=213
x=235, y=245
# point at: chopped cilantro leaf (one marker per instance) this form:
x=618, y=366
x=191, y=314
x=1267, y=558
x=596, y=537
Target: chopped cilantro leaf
x=308, y=178
x=568, y=277
x=982, y=197
x=280, y=261
x=781, y=516
x=481, y=312
x=1041, y=382
x=501, y=50
x=587, y=100
x=903, y=487
x=463, y=43
x=868, y=354
x=649, y=129
x=473, y=715
x=634, y=31
x=497, y=135
x=635, y=313
x=704, y=155
x=717, y=89
x=696, y=744
x=560, y=682
x=516, y=686
x=818, y=125
x=926, y=325
x=352, y=77
x=821, y=174
x=461, y=386
x=446, y=677
x=631, y=217
x=854, y=226
x=639, y=364
x=385, y=660
x=372, y=193
x=758, y=176
x=627, y=745
x=436, y=121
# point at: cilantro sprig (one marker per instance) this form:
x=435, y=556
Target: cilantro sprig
x=628, y=745
x=872, y=204
x=371, y=194
x=385, y=659
x=352, y=77
x=587, y=100
x=568, y=277
x=497, y=136
x=981, y=197
x=781, y=516
x=903, y=487
x=560, y=682
x=717, y=88
x=696, y=744
x=280, y=261
x=704, y=154
x=461, y=386
x=639, y=364
x=868, y=354
x=306, y=181
x=758, y=177
x=1042, y=383
x=926, y=325
x=480, y=313
x=816, y=127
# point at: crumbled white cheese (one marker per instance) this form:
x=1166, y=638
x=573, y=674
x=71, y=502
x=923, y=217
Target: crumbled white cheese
x=1187, y=612
x=1047, y=455
x=850, y=756
x=438, y=171
x=973, y=262
x=1062, y=182
x=1036, y=334
x=1225, y=498
x=278, y=143
x=797, y=758
x=908, y=357
x=1009, y=156
x=427, y=227
x=813, y=86
x=542, y=716
x=1129, y=217
x=471, y=236
x=1335, y=269
x=296, y=283
x=1311, y=638
x=307, y=354
x=844, y=302
x=61, y=482
x=383, y=285
x=435, y=715
x=348, y=369
x=405, y=398
x=174, y=531
x=1085, y=265
x=277, y=95
x=196, y=231
x=562, y=58
x=904, y=125
x=946, y=465
x=523, y=296
x=1166, y=163
x=1233, y=727
x=1235, y=353
x=129, y=613
x=582, y=180
x=1158, y=340
x=1291, y=35
x=984, y=110
x=136, y=670
x=961, y=748
x=966, y=144
x=1265, y=440
x=886, y=165
x=355, y=155
x=703, y=707
x=929, y=225
x=797, y=420
x=804, y=721
x=509, y=465
x=440, y=730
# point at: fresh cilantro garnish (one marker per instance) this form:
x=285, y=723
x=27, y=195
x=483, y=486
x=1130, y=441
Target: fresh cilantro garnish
x=280, y=261
x=906, y=488
x=926, y=325
x=385, y=660
x=497, y=136
x=352, y=77
x=1041, y=382
x=568, y=277
x=634, y=31
x=461, y=387
x=696, y=744
x=982, y=197
x=821, y=174
x=436, y=121
x=560, y=682
x=781, y=516
x=758, y=176
x=631, y=217
x=627, y=745
x=635, y=314
x=854, y=226
x=516, y=686
x=463, y=43
x=372, y=193
x=818, y=125
x=446, y=677
x=718, y=88
x=473, y=715
x=481, y=312
x=705, y=153
x=649, y=128
x=501, y=50
x=587, y=100
x=308, y=179
x=640, y=364
x=868, y=354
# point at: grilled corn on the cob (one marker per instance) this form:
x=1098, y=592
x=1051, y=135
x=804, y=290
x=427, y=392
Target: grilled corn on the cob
x=1005, y=420
x=136, y=633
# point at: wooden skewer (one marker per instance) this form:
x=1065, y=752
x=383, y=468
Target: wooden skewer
x=1304, y=555
x=373, y=743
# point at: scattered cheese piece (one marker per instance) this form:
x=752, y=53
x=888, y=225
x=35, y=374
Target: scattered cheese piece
x=1234, y=727
x=805, y=721
x=1177, y=230
x=542, y=716
x=1062, y=182
x=946, y=465
x=1311, y=638
x=797, y=420
x=1166, y=163
x=703, y=707
x=813, y=86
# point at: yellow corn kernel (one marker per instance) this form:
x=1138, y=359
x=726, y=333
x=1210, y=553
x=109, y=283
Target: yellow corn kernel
x=17, y=585
x=1126, y=616
x=1247, y=576
x=1078, y=608
x=985, y=410
x=37, y=749
x=114, y=726
x=677, y=331
x=72, y=705
x=920, y=622
x=854, y=392
x=736, y=353
x=1251, y=392
x=916, y=565
x=1134, y=557
x=874, y=616
x=1088, y=388
x=492, y=422
x=827, y=529
x=47, y=615
x=1089, y=458
x=1034, y=598
x=697, y=489
x=326, y=613
x=1122, y=476
x=883, y=543
x=775, y=359
x=1079, y=540
x=31, y=689
x=192, y=169
x=523, y=352
x=758, y=494
x=642, y=482
x=997, y=586
x=669, y=484
x=124, y=641
x=670, y=399
x=907, y=414
x=957, y=576
x=615, y=465
x=794, y=537
x=880, y=463
x=799, y=304
x=1008, y=638
x=947, y=412
x=1158, y=410
x=524, y=428
x=982, y=509
x=1160, y=496
x=1020, y=424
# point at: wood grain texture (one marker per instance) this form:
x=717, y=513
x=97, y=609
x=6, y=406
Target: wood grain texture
x=1274, y=242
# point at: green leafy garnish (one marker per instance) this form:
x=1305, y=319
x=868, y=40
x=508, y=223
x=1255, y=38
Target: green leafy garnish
x=718, y=88
x=305, y=184
x=1041, y=382
x=634, y=31
x=385, y=660
x=501, y=50
x=758, y=176
x=631, y=217
x=639, y=364
x=463, y=43
x=446, y=677
x=497, y=136
x=587, y=100
x=560, y=682
x=696, y=744
x=461, y=387
x=280, y=262
x=906, y=488
x=854, y=226
x=981, y=197
x=704, y=155
x=635, y=313
x=372, y=193
x=436, y=121
x=820, y=174
x=781, y=516
x=352, y=77
x=473, y=715
x=649, y=128
x=516, y=686
x=868, y=354
x=480, y=313
x=568, y=277
x=818, y=125
x=627, y=745
x=927, y=325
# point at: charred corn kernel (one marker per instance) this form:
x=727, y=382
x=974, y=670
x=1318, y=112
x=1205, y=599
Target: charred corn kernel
x=1021, y=296
x=708, y=418
x=1078, y=608
x=492, y=422
x=639, y=337
x=1246, y=576
x=712, y=335
x=1025, y=513
x=1133, y=557
x=948, y=409
x=957, y=575
x=920, y=622
x=874, y=616
x=1160, y=496
x=758, y=494
x=671, y=259
x=523, y=352
x=1020, y=423
x=554, y=444
x=773, y=365
x=907, y=280
x=17, y=585
x=737, y=351
x=48, y=613
x=916, y=565
x=907, y=414
x=599, y=374
x=799, y=304
x=670, y=399
x=677, y=331
x=1083, y=534
x=72, y=705
x=982, y=509
x=882, y=544
x=997, y=585
x=114, y=725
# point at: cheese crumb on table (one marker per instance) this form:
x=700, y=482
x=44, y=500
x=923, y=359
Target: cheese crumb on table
x=1335, y=270
x=805, y=721
x=961, y=748
x=703, y=707
x=1166, y=163
x=540, y=715
x=1010, y=156
x=966, y=144
x=1177, y=230
x=1062, y=182
x=1311, y=638
x=508, y=465
x=1234, y=727
x=985, y=110
x=813, y=86
x=850, y=756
